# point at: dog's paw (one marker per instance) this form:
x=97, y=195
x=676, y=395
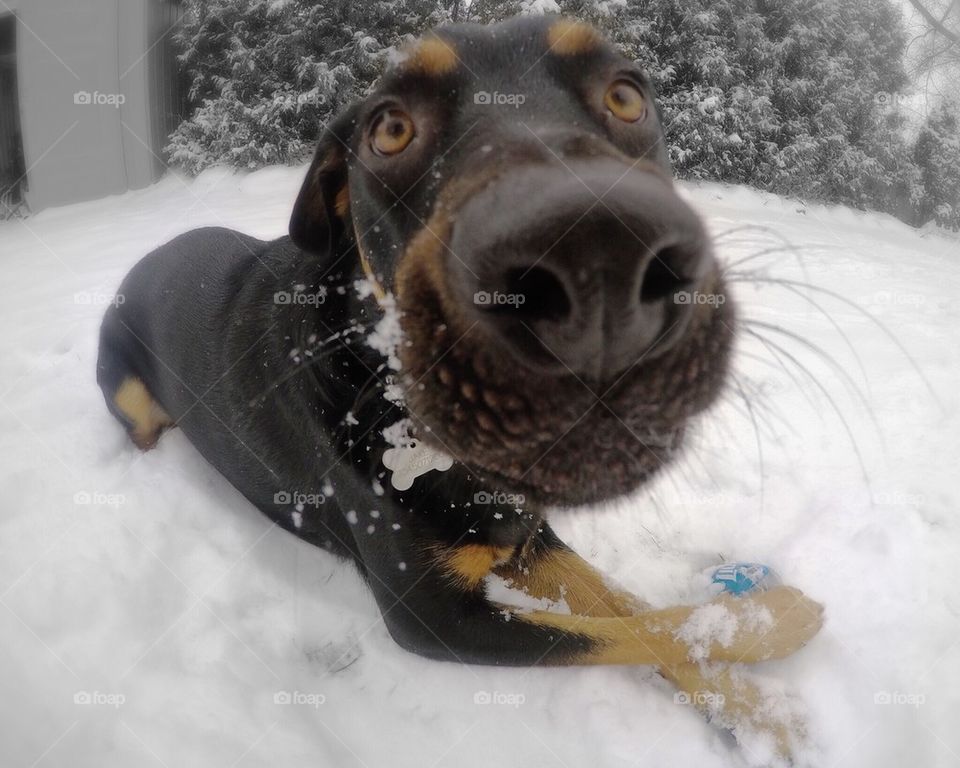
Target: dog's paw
x=767, y=722
x=767, y=625
x=774, y=624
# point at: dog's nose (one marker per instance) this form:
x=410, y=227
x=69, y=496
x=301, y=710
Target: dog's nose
x=589, y=267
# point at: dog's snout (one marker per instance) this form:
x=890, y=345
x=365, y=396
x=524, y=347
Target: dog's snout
x=586, y=268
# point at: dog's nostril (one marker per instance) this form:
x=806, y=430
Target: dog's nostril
x=663, y=276
x=540, y=294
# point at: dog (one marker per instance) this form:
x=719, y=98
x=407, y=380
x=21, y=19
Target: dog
x=477, y=316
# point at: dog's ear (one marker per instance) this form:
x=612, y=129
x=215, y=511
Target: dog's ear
x=320, y=213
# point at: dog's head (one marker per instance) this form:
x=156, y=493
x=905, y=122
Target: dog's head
x=563, y=314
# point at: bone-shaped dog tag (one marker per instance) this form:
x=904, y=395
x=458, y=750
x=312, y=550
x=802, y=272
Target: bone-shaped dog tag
x=407, y=463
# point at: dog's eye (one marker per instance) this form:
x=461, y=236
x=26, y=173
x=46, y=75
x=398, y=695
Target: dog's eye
x=392, y=132
x=625, y=101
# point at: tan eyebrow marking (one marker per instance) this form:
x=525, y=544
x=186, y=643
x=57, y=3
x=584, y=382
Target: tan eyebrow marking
x=569, y=38
x=431, y=56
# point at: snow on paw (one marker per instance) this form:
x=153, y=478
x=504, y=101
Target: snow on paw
x=768, y=722
x=760, y=713
x=777, y=623
x=768, y=625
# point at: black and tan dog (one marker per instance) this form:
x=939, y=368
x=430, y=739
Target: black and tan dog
x=485, y=256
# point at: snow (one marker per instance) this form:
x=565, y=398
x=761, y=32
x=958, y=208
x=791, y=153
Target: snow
x=502, y=591
x=150, y=616
x=708, y=625
x=399, y=434
x=537, y=7
x=387, y=335
x=716, y=625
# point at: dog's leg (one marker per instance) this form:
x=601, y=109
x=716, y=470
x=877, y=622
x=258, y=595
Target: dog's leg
x=144, y=417
x=727, y=696
x=770, y=625
x=434, y=600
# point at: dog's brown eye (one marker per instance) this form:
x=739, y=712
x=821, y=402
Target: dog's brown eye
x=392, y=132
x=625, y=101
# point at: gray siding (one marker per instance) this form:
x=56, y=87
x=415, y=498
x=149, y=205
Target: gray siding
x=81, y=151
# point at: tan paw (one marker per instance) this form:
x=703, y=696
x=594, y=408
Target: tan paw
x=769, y=724
x=778, y=623
x=768, y=625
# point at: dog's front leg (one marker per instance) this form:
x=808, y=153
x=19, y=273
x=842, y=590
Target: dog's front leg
x=727, y=696
x=434, y=602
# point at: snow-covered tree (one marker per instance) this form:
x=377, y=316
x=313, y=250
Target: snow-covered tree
x=937, y=153
x=791, y=96
x=264, y=75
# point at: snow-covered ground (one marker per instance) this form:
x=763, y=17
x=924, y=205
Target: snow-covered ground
x=150, y=616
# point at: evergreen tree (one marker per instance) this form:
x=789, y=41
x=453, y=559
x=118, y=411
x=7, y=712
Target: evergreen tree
x=937, y=153
x=266, y=74
x=791, y=96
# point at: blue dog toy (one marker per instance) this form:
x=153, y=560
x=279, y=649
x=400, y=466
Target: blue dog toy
x=739, y=579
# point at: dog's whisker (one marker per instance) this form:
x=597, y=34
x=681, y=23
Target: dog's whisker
x=756, y=433
x=825, y=392
x=776, y=235
x=800, y=385
x=760, y=394
x=783, y=282
x=839, y=329
x=689, y=456
x=777, y=250
x=748, y=228
x=781, y=246
x=829, y=359
x=764, y=413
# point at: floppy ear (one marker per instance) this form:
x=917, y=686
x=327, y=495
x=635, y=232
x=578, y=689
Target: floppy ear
x=319, y=214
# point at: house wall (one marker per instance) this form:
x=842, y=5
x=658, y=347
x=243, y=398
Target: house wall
x=133, y=56
x=81, y=151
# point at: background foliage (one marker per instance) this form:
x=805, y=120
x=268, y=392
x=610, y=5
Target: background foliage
x=797, y=97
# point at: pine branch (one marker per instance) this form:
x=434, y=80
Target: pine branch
x=938, y=25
